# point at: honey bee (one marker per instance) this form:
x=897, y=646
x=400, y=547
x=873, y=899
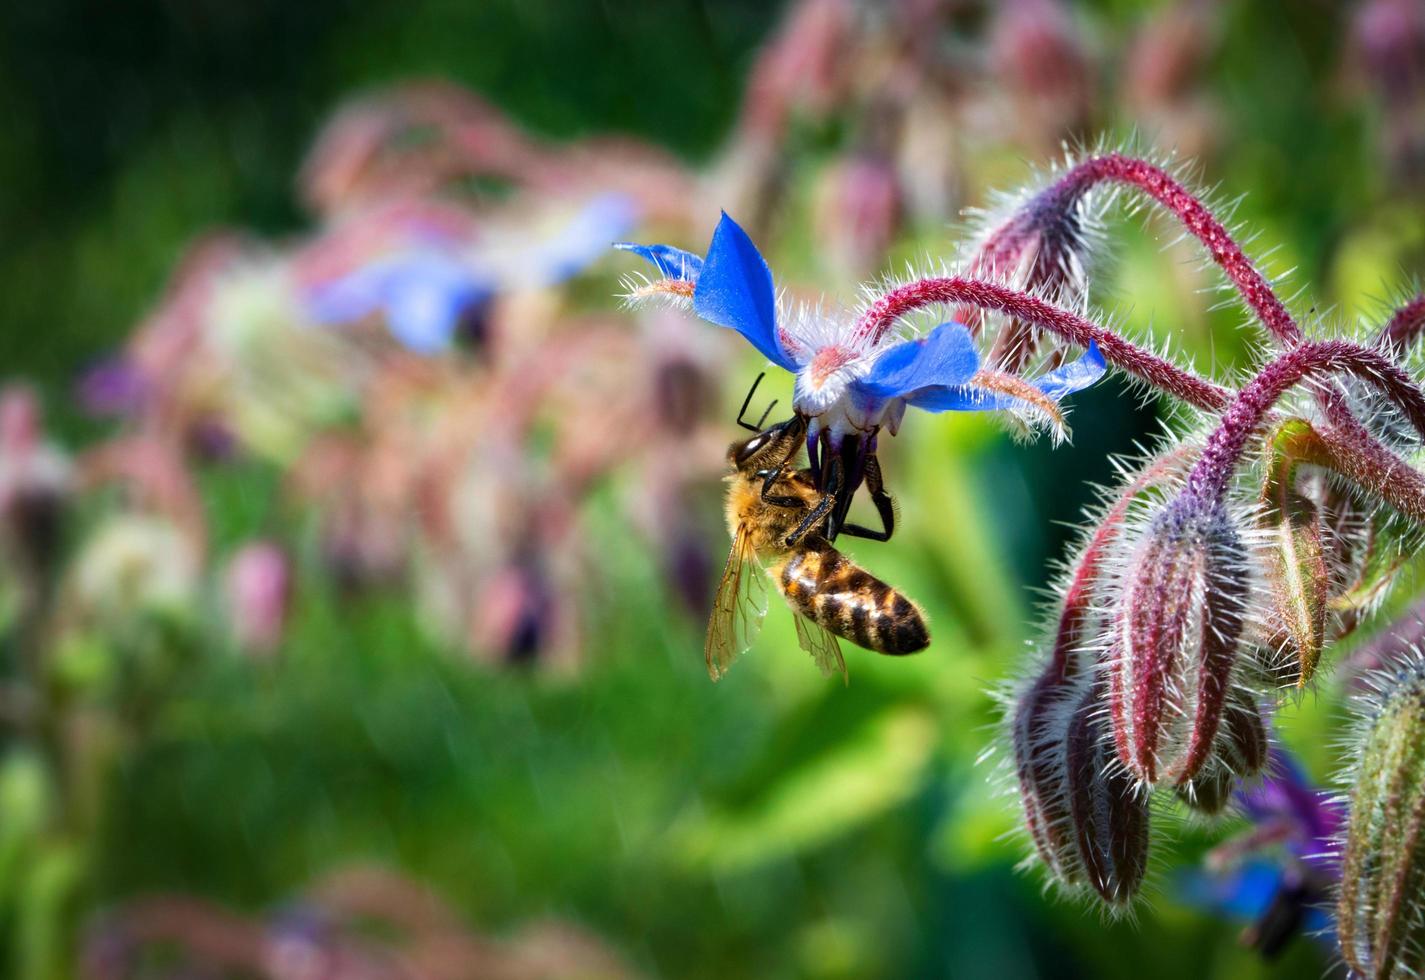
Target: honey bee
x=776, y=513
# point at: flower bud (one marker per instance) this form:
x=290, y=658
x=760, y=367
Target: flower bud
x=1037, y=727
x=1240, y=752
x=1088, y=821
x=1037, y=54
x=1176, y=631
x=1108, y=814
x=1381, y=913
x=1298, y=579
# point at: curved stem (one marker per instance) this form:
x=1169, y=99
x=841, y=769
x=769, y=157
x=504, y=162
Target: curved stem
x=1195, y=218
x=1373, y=466
x=1055, y=320
x=1209, y=477
x=1405, y=325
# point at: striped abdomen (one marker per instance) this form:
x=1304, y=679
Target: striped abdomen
x=829, y=589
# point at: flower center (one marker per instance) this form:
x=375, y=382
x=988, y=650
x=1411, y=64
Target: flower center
x=827, y=362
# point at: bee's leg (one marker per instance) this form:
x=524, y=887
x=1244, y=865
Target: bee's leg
x=769, y=480
x=884, y=505
x=822, y=511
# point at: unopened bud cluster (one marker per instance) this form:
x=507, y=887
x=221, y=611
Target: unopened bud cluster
x=1213, y=588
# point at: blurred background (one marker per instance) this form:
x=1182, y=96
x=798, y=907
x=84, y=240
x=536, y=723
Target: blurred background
x=358, y=543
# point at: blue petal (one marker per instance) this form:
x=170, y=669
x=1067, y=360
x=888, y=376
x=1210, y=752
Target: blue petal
x=1073, y=377
x=352, y=297
x=1244, y=893
x=421, y=295
x=735, y=290
x=423, y=314
x=1056, y=384
x=946, y=356
x=585, y=237
x=672, y=263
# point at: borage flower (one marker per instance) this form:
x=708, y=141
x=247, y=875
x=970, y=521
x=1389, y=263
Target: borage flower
x=1281, y=871
x=432, y=289
x=851, y=378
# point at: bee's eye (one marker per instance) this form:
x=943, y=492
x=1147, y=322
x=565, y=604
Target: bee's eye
x=750, y=448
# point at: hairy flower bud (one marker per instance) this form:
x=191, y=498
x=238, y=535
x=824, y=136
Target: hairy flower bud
x=1240, y=752
x=1381, y=913
x=1086, y=816
x=1108, y=814
x=1176, y=632
x=1037, y=726
x=1297, y=575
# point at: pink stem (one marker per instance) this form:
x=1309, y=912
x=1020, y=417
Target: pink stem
x=1061, y=323
x=1195, y=217
x=1209, y=477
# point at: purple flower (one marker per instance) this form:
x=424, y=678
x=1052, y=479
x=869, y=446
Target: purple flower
x=1280, y=873
x=430, y=290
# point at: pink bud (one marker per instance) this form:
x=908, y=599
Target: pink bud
x=1240, y=752
x=1037, y=54
x=259, y=589
x=1175, y=639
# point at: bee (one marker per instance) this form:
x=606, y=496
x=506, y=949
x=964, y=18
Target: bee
x=776, y=513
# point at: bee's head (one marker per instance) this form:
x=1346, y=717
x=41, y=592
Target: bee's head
x=769, y=447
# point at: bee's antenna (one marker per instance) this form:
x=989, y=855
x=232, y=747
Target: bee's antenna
x=761, y=423
x=748, y=401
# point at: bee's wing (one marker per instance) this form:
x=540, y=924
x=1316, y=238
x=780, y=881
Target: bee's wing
x=738, y=608
x=822, y=644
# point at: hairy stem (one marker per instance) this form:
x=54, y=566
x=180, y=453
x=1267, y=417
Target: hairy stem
x=1195, y=218
x=1209, y=477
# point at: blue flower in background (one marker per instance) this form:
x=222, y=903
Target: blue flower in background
x=1280, y=873
x=848, y=383
x=423, y=295
x=428, y=293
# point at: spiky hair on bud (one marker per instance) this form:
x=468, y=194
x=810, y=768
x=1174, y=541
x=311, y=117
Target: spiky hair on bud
x=1088, y=818
x=1405, y=322
x=1381, y=906
x=1240, y=752
x=1039, y=709
x=1186, y=591
x=1036, y=240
